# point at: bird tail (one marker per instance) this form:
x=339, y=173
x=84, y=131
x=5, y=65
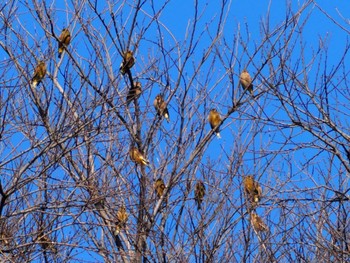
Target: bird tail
x=251, y=91
x=122, y=68
x=117, y=230
x=145, y=161
x=34, y=83
x=166, y=115
x=60, y=51
x=256, y=199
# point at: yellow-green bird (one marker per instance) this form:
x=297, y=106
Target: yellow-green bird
x=134, y=92
x=128, y=62
x=122, y=218
x=159, y=187
x=257, y=223
x=39, y=73
x=252, y=188
x=215, y=120
x=137, y=156
x=199, y=194
x=161, y=107
x=246, y=81
x=63, y=41
x=45, y=242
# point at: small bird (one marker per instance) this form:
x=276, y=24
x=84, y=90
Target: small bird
x=134, y=92
x=159, y=187
x=39, y=73
x=257, y=223
x=161, y=107
x=215, y=120
x=122, y=218
x=246, y=81
x=128, y=62
x=63, y=41
x=137, y=157
x=252, y=188
x=5, y=235
x=199, y=194
x=45, y=242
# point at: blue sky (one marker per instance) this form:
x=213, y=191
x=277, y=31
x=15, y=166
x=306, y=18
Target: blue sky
x=241, y=132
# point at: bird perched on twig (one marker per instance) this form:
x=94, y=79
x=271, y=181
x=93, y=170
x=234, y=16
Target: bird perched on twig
x=134, y=92
x=122, y=218
x=161, y=107
x=257, y=223
x=159, y=187
x=128, y=62
x=45, y=241
x=246, y=81
x=39, y=73
x=137, y=156
x=252, y=189
x=63, y=41
x=199, y=194
x=215, y=120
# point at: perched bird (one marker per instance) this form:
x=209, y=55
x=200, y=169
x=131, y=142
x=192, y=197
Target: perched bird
x=161, y=107
x=5, y=236
x=199, y=194
x=45, y=242
x=39, y=73
x=137, y=157
x=215, y=120
x=122, y=218
x=63, y=41
x=257, y=223
x=252, y=188
x=134, y=92
x=246, y=81
x=159, y=187
x=128, y=62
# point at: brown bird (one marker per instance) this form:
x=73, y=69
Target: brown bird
x=159, y=187
x=134, y=92
x=252, y=188
x=63, y=41
x=199, y=194
x=45, y=242
x=161, y=107
x=39, y=73
x=122, y=218
x=5, y=235
x=257, y=223
x=246, y=81
x=128, y=62
x=215, y=120
x=137, y=157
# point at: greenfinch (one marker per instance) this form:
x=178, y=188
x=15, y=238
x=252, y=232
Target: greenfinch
x=161, y=107
x=45, y=242
x=63, y=41
x=128, y=62
x=39, y=73
x=134, y=92
x=199, y=194
x=159, y=187
x=252, y=189
x=215, y=120
x=257, y=223
x=122, y=218
x=246, y=81
x=137, y=157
